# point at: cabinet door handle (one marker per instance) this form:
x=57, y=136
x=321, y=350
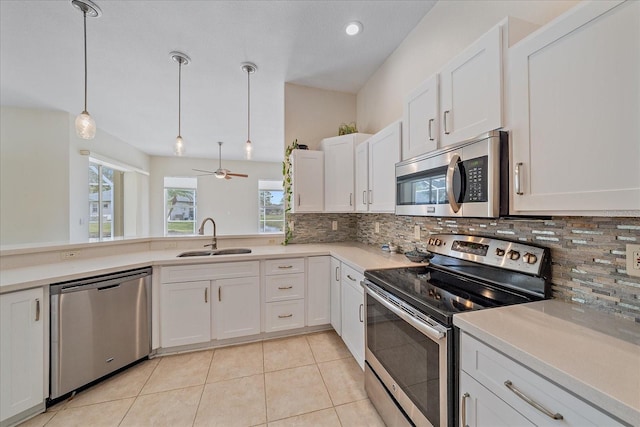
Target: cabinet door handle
x=350, y=278
x=463, y=410
x=350, y=199
x=284, y=316
x=337, y=274
x=364, y=197
x=219, y=293
x=532, y=402
x=370, y=196
x=444, y=119
x=516, y=179
x=285, y=267
x=206, y=295
x=431, y=124
x=285, y=287
x=37, y=309
x=360, y=310
x=298, y=200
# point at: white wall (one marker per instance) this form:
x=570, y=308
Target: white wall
x=444, y=32
x=313, y=114
x=44, y=178
x=34, y=176
x=233, y=203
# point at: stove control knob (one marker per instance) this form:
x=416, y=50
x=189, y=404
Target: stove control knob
x=513, y=255
x=499, y=252
x=437, y=242
x=530, y=258
x=430, y=241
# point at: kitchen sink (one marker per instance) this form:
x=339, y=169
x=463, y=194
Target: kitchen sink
x=231, y=251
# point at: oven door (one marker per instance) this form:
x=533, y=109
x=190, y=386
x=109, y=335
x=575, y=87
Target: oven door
x=409, y=354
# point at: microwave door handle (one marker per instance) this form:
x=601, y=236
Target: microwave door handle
x=453, y=200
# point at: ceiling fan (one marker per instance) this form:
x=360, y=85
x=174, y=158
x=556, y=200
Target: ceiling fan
x=222, y=173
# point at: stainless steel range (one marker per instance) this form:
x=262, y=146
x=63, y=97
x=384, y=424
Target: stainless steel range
x=411, y=345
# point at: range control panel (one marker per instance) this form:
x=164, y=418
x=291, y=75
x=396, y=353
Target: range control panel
x=489, y=251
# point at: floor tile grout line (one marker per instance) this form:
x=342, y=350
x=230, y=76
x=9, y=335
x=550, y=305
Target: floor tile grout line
x=195, y=416
x=264, y=381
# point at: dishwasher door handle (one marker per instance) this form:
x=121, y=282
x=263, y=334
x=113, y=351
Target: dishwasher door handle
x=106, y=288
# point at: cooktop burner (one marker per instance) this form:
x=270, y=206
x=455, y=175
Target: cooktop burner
x=456, y=281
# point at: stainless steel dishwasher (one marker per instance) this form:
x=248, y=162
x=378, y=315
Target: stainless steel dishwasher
x=98, y=325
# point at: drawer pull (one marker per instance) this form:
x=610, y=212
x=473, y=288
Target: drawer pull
x=463, y=409
x=37, y=309
x=532, y=402
x=284, y=316
x=285, y=267
x=282, y=288
x=350, y=278
x=219, y=293
x=206, y=295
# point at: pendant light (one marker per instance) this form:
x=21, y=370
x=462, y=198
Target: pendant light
x=85, y=125
x=249, y=68
x=181, y=59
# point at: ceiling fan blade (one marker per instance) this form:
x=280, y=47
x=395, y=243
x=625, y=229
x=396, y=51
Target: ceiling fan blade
x=227, y=176
x=206, y=172
x=241, y=175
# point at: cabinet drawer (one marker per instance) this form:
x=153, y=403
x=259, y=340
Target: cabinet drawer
x=351, y=276
x=284, y=266
x=492, y=369
x=284, y=287
x=227, y=270
x=284, y=315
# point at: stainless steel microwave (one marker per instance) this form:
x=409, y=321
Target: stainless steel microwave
x=469, y=179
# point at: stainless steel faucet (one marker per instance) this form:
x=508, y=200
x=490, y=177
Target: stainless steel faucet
x=214, y=241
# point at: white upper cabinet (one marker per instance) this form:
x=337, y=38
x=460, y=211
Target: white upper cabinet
x=376, y=170
x=339, y=171
x=471, y=90
x=384, y=153
x=308, y=181
x=362, y=177
x=420, y=120
x=575, y=105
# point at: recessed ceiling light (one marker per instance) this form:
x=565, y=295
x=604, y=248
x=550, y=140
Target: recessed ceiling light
x=353, y=28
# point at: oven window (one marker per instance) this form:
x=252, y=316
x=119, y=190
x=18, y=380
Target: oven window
x=411, y=358
x=424, y=188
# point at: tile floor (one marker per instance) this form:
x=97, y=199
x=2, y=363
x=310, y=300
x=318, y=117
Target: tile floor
x=309, y=380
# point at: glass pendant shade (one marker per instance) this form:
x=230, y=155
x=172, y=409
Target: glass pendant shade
x=85, y=126
x=178, y=148
x=248, y=148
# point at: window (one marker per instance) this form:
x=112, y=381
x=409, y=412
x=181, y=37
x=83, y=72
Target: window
x=271, y=207
x=105, y=202
x=180, y=205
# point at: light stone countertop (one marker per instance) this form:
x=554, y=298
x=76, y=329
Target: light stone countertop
x=590, y=353
x=359, y=256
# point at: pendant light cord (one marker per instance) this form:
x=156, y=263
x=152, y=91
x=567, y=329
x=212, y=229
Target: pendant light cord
x=84, y=13
x=248, y=105
x=179, y=95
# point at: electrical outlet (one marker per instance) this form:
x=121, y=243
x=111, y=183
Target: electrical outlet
x=633, y=260
x=377, y=227
x=334, y=225
x=67, y=255
x=291, y=224
x=416, y=232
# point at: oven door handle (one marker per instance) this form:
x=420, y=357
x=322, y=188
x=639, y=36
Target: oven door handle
x=426, y=329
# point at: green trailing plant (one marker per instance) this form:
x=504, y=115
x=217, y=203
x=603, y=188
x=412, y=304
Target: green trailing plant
x=287, y=184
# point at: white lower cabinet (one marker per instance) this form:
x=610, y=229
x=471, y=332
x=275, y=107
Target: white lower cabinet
x=199, y=303
x=236, y=308
x=284, y=294
x=318, y=290
x=22, y=352
x=353, y=312
x=336, y=296
x=186, y=313
x=496, y=390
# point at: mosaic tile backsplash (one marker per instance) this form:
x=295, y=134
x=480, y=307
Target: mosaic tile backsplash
x=588, y=253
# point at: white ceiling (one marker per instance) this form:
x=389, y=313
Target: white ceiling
x=133, y=83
